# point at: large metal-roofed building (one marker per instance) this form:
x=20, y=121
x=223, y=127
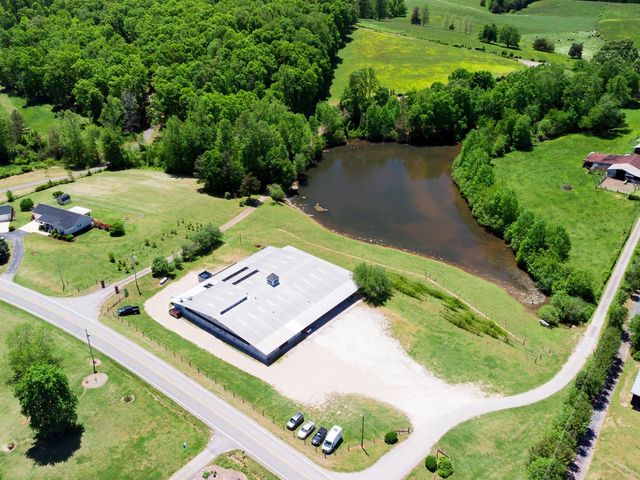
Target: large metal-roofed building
x=267, y=303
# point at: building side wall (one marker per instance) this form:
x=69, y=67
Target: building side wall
x=222, y=335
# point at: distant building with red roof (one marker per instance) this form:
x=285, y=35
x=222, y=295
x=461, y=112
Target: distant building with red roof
x=620, y=167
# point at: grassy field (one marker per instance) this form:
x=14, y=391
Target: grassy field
x=597, y=220
x=238, y=461
x=617, y=452
x=403, y=62
x=258, y=399
x=38, y=117
x=413, y=56
x=495, y=446
x=142, y=439
x=620, y=21
x=149, y=202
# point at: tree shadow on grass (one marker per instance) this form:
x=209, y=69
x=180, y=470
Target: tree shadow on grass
x=56, y=449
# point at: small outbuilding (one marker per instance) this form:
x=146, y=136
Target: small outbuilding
x=60, y=220
x=63, y=199
x=6, y=213
x=620, y=167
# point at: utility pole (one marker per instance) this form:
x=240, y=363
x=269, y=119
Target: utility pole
x=61, y=277
x=93, y=360
x=362, y=433
x=135, y=273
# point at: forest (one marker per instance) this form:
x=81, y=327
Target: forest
x=185, y=64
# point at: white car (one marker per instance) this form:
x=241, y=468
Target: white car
x=306, y=430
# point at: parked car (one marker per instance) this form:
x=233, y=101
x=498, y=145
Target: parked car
x=128, y=310
x=295, y=421
x=175, y=313
x=319, y=437
x=333, y=438
x=306, y=430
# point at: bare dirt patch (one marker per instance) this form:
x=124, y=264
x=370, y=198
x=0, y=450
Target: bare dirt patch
x=219, y=473
x=95, y=380
x=355, y=351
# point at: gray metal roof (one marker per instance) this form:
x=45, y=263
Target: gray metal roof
x=58, y=217
x=264, y=316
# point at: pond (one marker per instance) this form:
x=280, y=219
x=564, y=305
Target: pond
x=403, y=196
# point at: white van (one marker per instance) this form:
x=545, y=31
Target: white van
x=333, y=438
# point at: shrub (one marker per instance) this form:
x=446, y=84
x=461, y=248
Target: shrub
x=543, y=45
x=117, y=229
x=575, y=51
x=549, y=314
x=69, y=238
x=10, y=197
x=206, y=474
x=112, y=257
x=57, y=193
x=177, y=262
x=373, y=283
x=11, y=228
x=26, y=205
x=445, y=468
x=431, y=463
x=161, y=267
x=4, y=251
x=633, y=196
x=276, y=192
x=390, y=438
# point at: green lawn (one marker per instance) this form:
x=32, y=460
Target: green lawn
x=138, y=440
x=258, y=399
x=148, y=201
x=495, y=446
x=38, y=117
x=597, y=221
x=617, y=452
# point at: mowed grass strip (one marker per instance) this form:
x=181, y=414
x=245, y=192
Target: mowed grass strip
x=149, y=202
x=450, y=352
x=404, y=63
x=617, y=453
x=495, y=446
x=37, y=117
x=255, y=397
x=138, y=440
x=597, y=220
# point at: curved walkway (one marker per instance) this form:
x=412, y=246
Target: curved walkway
x=272, y=452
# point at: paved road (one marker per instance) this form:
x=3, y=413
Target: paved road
x=276, y=455
x=265, y=447
x=218, y=445
x=24, y=186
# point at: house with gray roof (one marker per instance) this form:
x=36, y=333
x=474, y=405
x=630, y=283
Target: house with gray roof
x=6, y=213
x=60, y=220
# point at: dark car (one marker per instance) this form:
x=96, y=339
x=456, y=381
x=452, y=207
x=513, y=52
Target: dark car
x=319, y=437
x=295, y=421
x=128, y=310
